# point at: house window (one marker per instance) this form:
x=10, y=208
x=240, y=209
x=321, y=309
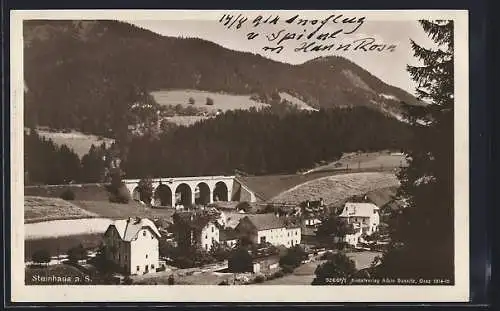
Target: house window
x=146, y=256
x=212, y=229
x=144, y=233
x=206, y=247
x=138, y=268
x=152, y=237
x=152, y=266
x=206, y=236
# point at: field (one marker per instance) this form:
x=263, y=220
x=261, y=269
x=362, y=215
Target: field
x=41, y=209
x=337, y=188
x=67, y=231
x=296, y=101
x=268, y=187
x=85, y=192
x=222, y=101
x=77, y=141
x=372, y=160
x=121, y=211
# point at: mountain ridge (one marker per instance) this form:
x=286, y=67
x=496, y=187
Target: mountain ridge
x=79, y=73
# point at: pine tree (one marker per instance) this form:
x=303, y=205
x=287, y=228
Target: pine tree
x=423, y=233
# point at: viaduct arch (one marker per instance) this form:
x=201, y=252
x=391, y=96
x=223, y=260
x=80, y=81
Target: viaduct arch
x=185, y=190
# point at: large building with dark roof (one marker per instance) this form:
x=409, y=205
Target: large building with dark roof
x=270, y=228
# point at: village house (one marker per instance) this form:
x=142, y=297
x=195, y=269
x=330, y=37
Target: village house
x=364, y=218
x=270, y=228
x=228, y=237
x=133, y=245
x=198, y=229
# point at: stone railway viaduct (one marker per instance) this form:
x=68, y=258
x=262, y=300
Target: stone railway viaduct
x=186, y=190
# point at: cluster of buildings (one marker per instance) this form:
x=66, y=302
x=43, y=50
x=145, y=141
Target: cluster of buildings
x=133, y=244
x=204, y=229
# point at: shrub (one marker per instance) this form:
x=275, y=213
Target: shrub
x=146, y=190
x=278, y=274
x=225, y=282
x=287, y=269
x=160, y=269
x=41, y=256
x=240, y=260
x=294, y=257
x=326, y=255
x=259, y=279
x=171, y=280
x=191, y=101
x=119, y=194
x=68, y=195
x=210, y=101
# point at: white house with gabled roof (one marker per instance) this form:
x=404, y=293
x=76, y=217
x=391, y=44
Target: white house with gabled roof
x=364, y=215
x=364, y=218
x=133, y=244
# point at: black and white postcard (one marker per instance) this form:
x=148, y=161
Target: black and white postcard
x=239, y=156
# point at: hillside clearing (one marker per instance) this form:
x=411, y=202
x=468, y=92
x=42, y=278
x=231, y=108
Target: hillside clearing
x=222, y=101
x=336, y=189
x=78, y=141
x=370, y=160
x=121, y=211
x=296, y=101
x=83, y=192
x=42, y=209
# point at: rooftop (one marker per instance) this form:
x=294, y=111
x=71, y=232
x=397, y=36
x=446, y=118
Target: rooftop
x=358, y=209
x=129, y=228
x=270, y=221
x=228, y=234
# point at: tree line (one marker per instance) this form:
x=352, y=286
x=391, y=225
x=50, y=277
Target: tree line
x=47, y=163
x=263, y=142
x=254, y=141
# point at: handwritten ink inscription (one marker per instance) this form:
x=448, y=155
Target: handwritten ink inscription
x=337, y=32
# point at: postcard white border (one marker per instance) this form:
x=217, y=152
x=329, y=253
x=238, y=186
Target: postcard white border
x=272, y=293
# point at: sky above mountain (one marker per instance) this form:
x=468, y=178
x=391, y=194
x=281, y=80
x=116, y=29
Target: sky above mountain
x=383, y=46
